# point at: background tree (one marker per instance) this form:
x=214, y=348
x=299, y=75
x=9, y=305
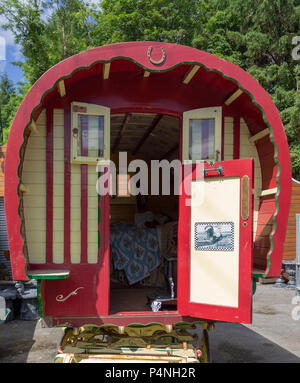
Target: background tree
x=254, y=34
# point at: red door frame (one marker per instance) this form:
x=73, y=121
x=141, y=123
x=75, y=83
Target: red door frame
x=242, y=314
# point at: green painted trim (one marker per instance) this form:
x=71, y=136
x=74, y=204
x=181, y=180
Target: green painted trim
x=258, y=275
x=39, y=276
x=254, y=283
x=159, y=71
x=40, y=299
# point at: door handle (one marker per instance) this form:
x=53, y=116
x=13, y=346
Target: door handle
x=245, y=196
x=218, y=169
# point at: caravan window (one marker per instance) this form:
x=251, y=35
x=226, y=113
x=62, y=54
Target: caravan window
x=90, y=133
x=202, y=134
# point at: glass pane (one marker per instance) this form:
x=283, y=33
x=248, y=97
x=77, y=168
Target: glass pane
x=202, y=139
x=90, y=136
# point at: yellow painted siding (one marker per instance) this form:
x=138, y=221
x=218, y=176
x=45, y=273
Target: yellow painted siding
x=34, y=200
x=34, y=178
x=248, y=150
x=228, y=138
x=92, y=215
x=58, y=186
x=75, y=213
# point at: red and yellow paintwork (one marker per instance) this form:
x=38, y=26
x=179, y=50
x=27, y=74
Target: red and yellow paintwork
x=127, y=90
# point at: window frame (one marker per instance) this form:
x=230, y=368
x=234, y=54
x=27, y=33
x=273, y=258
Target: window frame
x=201, y=114
x=90, y=110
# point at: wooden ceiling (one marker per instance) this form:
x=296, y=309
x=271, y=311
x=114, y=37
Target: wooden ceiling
x=153, y=135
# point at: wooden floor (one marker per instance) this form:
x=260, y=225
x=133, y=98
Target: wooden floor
x=130, y=299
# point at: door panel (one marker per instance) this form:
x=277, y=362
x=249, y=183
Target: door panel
x=215, y=242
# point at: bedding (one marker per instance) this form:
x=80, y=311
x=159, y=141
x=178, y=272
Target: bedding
x=135, y=250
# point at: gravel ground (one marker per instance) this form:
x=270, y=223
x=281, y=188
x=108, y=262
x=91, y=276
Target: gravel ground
x=272, y=337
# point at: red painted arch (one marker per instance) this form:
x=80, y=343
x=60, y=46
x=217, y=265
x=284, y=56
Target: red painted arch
x=136, y=53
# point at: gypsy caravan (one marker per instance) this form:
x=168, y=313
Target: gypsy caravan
x=124, y=257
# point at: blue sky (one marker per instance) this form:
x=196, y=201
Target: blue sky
x=9, y=52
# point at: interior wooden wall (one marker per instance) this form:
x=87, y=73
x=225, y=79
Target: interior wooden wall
x=125, y=208
x=58, y=186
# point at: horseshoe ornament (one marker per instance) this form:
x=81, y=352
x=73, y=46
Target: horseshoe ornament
x=157, y=62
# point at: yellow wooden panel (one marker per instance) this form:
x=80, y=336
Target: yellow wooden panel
x=75, y=201
x=92, y=217
x=35, y=190
x=58, y=155
x=42, y=118
x=58, y=224
x=228, y=138
x=37, y=252
x=75, y=214
x=75, y=178
x=31, y=201
x=58, y=143
x=58, y=117
x=248, y=150
x=58, y=213
x=91, y=191
x=37, y=142
x=58, y=170
x=92, y=251
x=58, y=252
x=34, y=166
x=59, y=131
x=29, y=178
x=58, y=190
x=41, y=131
x=34, y=200
x=34, y=154
x=36, y=236
x=58, y=186
x=75, y=249
x=58, y=236
x=35, y=225
x=35, y=213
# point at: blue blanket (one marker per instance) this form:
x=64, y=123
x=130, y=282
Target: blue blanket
x=135, y=250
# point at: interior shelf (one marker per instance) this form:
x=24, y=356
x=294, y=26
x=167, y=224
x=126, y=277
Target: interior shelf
x=48, y=274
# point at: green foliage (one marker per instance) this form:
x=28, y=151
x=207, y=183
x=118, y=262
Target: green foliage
x=254, y=34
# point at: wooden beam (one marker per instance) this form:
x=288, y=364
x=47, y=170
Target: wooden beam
x=33, y=127
x=169, y=152
x=146, y=73
x=259, y=135
x=190, y=74
x=61, y=88
x=123, y=127
x=233, y=97
x=154, y=124
x=106, y=70
x=22, y=188
x=268, y=192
